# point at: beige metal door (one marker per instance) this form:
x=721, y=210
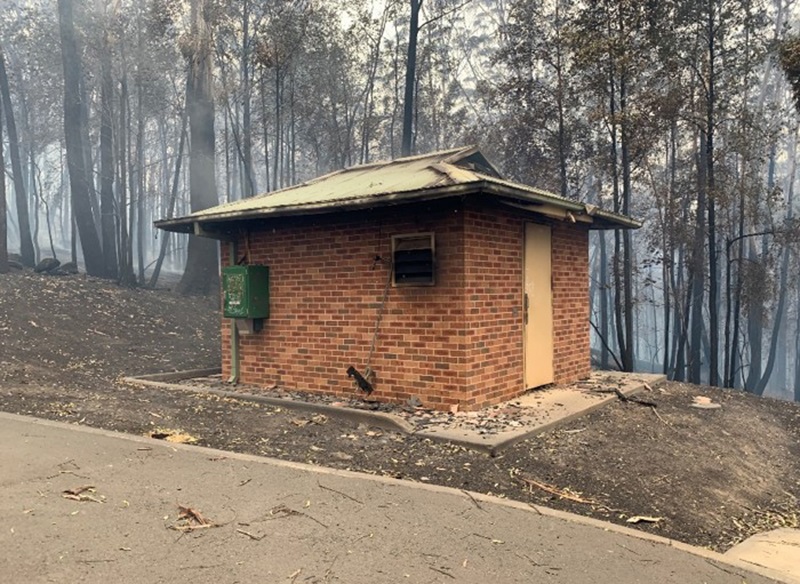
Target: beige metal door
x=538, y=307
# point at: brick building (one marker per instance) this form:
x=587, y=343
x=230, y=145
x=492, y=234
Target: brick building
x=430, y=276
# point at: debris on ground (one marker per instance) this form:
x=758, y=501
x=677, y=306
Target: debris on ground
x=562, y=493
x=252, y=535
x=643, y=518
x=80, y=494
x=190, y=519
x=702, y=402
x=174, y=436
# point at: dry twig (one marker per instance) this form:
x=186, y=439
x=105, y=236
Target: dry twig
x=192, y=514
x=78, y=490
x=448, y=574
x=471, y=498
x=193, y=520
x=558, y=492
x=250, y=535
x=634, y=399
x=345, y=495
x=655, y=411
x=79, y=494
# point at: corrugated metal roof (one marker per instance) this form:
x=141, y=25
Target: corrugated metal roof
x=427, y=176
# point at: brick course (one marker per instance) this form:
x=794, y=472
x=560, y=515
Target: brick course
x=458, y=342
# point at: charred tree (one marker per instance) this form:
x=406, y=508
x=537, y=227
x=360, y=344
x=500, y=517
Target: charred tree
x=107, y=212
x=411, y=76
x=201, y=274
x=3, y=228
x=23, y=216
x=165, y=237
x=76, y=162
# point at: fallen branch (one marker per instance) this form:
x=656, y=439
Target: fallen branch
x=634, y=399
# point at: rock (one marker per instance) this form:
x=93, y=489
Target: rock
x=69, y=268
x=46, y=265
x=414, y=402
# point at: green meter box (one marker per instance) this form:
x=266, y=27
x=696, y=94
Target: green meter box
x=245, y=291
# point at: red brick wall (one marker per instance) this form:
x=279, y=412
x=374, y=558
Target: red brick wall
x=493, y=265
x=458, y=342
x=493, y=247
x=324, y=304
x=570, y=302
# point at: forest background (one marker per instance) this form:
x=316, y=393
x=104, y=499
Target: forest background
x=116, y=113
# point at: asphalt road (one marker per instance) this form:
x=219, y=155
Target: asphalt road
x=273, y=521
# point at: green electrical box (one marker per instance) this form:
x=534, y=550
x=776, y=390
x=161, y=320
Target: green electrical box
x=245, y=291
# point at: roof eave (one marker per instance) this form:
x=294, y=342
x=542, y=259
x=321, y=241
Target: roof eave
x=187, y=224
x=596, y=218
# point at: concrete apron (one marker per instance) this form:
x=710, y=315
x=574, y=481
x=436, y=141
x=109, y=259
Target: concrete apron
x=538, y=410
x=778, y=550
x=353, y=526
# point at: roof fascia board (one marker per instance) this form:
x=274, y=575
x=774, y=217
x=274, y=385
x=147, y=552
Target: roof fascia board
x=601, y=219
x=551, y=211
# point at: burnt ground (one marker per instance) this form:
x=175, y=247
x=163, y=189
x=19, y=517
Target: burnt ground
x=713, y=477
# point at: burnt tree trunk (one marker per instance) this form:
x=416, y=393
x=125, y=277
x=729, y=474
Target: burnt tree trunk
x=78, y=175
x=697, y=269
x=411, y=75
x=107, y=211
x=23, y=218
x=3, y=229
x=201, y=275
x=126, y=276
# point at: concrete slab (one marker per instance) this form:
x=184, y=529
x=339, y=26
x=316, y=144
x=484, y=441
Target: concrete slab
x=542, y=410
x=276, y=521
x=778, y=550
x=490, y=430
